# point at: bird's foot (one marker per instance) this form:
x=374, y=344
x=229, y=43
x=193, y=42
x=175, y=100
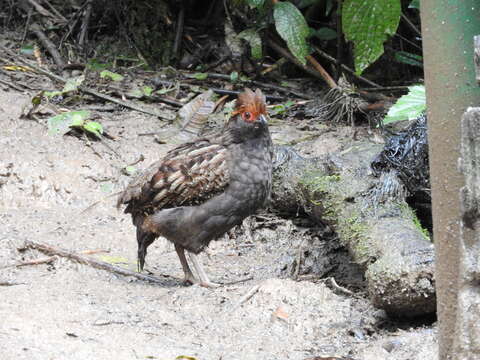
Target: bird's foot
x=192, y=280
x=189, y=279
x=209, y=284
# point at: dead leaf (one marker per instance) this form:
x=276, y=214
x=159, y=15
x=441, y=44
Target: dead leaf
x=281, y=313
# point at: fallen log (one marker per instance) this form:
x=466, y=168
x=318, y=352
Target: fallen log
x=372, y=221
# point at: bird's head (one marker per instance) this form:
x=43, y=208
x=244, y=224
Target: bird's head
x=251, y=107
x=249, y=119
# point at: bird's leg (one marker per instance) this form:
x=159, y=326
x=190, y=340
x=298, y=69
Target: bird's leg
x=189, y=278
x=204, y=280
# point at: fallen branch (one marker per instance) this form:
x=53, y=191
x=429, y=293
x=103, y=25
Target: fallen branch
x=157, y=82
x=379, y=232
x=274, y=87
x=97, y=264
x=51, y=48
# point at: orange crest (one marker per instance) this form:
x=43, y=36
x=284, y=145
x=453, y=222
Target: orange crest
x=250, y=105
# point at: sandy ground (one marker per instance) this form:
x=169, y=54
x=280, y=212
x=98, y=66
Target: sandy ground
x=65, y=310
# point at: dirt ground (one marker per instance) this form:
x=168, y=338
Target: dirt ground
x=65, y=310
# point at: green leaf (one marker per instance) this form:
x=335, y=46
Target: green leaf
x=107, y=74
x=76, y=119
x=415, y=4
x=200, y=76
x=129, y=170
x=165, y=90
x=72, y=84
x=325, y=34
x=409, y=58
x=147, y=90
x=255, y=3
x=409, y=106
x=234, y=76
x=37, y=99
x=280, y=109
x=26, y=50
x=254, y=40
x=293, y=28
x=368, y=24
x=60, y=124
x=51, y=94
x=94, y=127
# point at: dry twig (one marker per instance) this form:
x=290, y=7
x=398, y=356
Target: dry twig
x=127, y=104
x=40, y=261
x=247, y=296
x=274, y=87
x=319, y=73
x=51, y=48
x=345, y=67
x=97, y=264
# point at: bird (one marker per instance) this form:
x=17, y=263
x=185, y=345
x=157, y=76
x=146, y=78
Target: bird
x=203, y=188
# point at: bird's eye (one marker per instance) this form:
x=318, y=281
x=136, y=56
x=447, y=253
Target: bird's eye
x=247, y=116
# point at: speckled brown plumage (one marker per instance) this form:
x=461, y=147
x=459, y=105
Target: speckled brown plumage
x=203, y=188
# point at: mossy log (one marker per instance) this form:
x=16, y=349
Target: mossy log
x=379, y=229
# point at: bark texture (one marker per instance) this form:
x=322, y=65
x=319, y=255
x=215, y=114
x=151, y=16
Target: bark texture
x=467, y=332
x=371, y=218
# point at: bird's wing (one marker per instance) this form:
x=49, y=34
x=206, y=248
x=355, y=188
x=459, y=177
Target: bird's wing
x=189, y=174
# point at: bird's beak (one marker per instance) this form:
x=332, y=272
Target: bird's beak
x=262, y=119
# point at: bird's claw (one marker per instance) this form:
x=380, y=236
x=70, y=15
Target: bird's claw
x=209, y=284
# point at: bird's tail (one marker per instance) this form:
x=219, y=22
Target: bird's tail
x=144, y=239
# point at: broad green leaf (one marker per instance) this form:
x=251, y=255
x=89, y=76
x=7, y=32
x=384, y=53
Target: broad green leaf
x=254, y=40
x=77, y=119
x=200, y=76
x=368, y=24
x=409, y=106
x=60, y=124
x=94, y=127
x=72, y=84
x=325, y=33
x=409, y=58
x=147, y=90
x=293, y=28
x=255, y=3
x=107, y=74
x=415, y=4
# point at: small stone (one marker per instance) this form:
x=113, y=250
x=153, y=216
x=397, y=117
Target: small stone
x=391, y=345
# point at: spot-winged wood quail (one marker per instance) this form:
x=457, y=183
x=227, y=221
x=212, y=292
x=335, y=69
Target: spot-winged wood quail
x=203, y=188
